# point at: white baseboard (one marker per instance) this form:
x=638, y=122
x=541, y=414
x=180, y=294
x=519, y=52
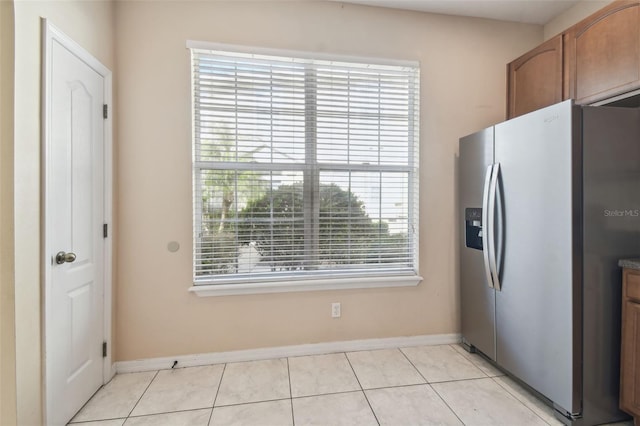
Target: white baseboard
x=164, y=363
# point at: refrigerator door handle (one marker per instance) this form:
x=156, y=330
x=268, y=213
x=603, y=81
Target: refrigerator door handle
x=485, y=225
x=493, y=266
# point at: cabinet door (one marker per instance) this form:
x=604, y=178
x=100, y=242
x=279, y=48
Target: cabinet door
x=602, y=53
x=535, y=79
x=630, y=362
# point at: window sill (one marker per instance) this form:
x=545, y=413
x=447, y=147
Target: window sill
x=209, y=290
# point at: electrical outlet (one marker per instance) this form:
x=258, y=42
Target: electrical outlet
x=335, y=310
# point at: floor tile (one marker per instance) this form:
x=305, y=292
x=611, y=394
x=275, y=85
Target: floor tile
x=484, y=365
x=181, y=418
x=180, y=389
x=483, y=402
x=114, y=422
x=117, y=398
x=388, y=367
x=410, y=405
x=321, y=374
x=348, y=409
x=254, y=381
x=257, y=413
x=441, y=363
x=527, y=398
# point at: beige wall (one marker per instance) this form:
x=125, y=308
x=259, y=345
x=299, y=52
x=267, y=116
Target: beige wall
x=91, y=24
x=7, y=296
x=572, y=16
x=463, y=89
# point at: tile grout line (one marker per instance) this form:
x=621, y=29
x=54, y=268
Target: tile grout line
x=519, y=400
x=215, y=398
x=470, y=359
x=494, y=379
x=293, y=418
x=84, y=422
x=238, y=404
x=473, y=364
x=447, y=404
x=71, y=422
x=414, y=366
x=397, y=386
x=331, y=393
x=362, y=389
x=139, y=399
x=161, y=413
x=432, y=388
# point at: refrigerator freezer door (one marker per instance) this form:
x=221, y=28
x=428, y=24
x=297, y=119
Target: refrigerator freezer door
x=477, y=298
x=534, y=307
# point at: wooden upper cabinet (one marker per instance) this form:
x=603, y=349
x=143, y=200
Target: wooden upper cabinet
x=602, y=53
x=535, y=79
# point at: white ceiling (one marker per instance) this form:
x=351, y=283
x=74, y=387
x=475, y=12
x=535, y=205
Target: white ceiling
x=527, y=11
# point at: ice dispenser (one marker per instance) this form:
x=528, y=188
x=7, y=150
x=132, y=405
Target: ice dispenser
x=473, y=228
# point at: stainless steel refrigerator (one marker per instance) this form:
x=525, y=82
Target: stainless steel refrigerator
x=548, y=203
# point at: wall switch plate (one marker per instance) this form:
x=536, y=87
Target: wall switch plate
x=335, y=310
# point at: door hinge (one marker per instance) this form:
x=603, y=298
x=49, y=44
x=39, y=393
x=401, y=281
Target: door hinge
x=105, y=230
x=105, y=111
x=104, y=349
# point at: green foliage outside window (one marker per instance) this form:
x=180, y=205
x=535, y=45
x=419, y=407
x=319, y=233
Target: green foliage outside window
x=274, y=223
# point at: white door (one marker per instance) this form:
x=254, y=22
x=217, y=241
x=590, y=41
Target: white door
x=74, y=218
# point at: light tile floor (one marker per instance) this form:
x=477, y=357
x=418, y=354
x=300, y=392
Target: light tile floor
x=426, y=385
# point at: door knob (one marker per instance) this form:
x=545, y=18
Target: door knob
x=63, y=257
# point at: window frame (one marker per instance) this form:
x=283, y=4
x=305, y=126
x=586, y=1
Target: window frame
x=221, y=285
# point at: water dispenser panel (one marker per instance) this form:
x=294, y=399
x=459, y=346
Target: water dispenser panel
x=473, y=228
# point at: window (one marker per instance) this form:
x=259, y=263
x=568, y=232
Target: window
x=303, y=168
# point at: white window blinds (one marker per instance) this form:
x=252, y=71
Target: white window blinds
x=303, y=167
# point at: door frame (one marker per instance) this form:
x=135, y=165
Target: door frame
x=50, y=34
